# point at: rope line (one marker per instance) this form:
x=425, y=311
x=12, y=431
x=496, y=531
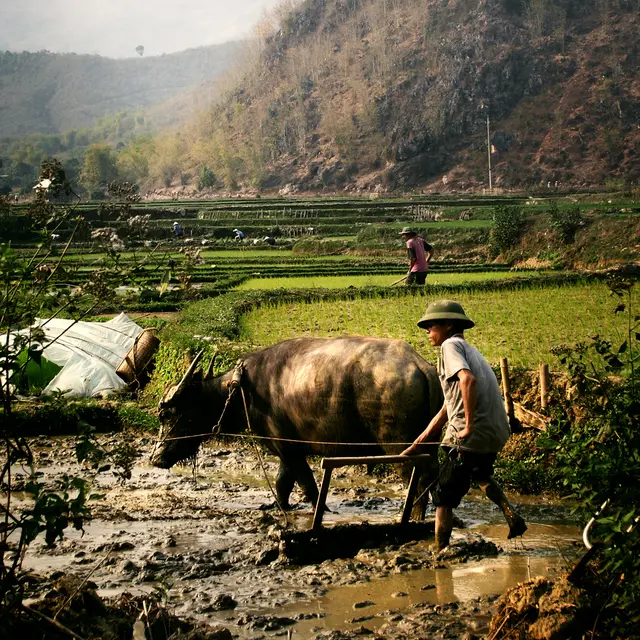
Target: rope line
x=264, y=471
x=257, y=437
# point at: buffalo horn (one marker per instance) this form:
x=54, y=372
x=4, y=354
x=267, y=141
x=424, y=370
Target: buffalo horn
x=186, y=378
x=209, y=373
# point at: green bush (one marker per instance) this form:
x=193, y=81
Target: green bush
x=566, y=222
x=531, y=475
x=508, y=224
x=207, y=178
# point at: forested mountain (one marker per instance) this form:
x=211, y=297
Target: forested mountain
x=383, y=94
x=362, y=95
x=52, y=93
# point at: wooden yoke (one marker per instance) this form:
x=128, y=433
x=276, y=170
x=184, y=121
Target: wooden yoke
x=329, y=464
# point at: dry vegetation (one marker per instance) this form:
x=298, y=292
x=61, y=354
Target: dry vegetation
x=390, y=93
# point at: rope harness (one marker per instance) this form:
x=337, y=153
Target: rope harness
x=233, y=384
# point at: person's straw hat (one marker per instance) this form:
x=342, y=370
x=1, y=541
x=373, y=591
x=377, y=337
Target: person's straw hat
x=443, y=310
x=407, y=231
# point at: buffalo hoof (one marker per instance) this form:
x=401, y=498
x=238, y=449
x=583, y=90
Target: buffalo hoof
x=274, y=505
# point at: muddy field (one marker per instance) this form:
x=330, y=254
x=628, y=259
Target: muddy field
x=205, y=543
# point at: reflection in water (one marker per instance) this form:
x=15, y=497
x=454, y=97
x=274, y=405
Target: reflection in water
x=487, y=577
x=445, y=591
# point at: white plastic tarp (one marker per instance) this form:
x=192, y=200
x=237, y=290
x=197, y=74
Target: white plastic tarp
x=89, y=353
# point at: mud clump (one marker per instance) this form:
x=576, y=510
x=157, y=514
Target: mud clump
x=464, y=551
x=542, y=609
x=73, y=604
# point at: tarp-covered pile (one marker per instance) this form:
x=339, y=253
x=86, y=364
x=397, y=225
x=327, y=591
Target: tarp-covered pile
x=88, y=352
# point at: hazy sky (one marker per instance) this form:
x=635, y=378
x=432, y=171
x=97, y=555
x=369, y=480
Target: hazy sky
x=115, y=28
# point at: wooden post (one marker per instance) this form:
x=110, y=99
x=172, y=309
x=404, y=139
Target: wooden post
x=322, y=498
x=544, y=385
x=329, y=464
x=506, y=389
x=411, y=494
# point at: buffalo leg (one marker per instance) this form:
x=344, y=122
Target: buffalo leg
x=284, y=484
x=304, y=477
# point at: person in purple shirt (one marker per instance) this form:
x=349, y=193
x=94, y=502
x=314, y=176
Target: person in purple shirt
x=420, y=253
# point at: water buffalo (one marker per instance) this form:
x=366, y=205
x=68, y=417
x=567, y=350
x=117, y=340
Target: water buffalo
x=314, y=390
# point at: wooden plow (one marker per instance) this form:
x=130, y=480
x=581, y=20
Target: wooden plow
x=329, y=464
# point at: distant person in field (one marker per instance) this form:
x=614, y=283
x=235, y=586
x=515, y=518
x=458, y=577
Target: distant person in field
x=238, y=235
x=420, y=253
x=477, y=426
x=177, y=230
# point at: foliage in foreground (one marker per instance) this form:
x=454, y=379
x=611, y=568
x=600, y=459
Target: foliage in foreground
x=35, y=285
x=598, y=457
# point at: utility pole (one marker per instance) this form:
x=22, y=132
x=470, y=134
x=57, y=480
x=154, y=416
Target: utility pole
x=489, y=152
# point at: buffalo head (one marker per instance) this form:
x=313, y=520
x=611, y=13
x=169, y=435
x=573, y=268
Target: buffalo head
x=186, y=412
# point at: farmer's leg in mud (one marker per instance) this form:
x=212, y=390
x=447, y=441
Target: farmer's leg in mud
x=454, y=481
x=481, y=465
x=444, y=527
x=494, y=492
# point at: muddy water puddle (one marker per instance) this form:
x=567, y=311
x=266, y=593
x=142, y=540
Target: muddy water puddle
x=213, y=553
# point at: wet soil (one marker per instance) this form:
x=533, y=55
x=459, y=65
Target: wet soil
x=204, y=543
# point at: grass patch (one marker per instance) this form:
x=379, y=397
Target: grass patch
x=522, y=323
x=338, y=282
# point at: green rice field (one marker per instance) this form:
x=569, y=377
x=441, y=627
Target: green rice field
x=339, y=282
x=522, y=325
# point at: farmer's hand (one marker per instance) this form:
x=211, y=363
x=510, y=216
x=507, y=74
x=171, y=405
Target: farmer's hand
x=413, y=450
x=465, y=433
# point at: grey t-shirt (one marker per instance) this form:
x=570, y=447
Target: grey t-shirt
x=491, y=425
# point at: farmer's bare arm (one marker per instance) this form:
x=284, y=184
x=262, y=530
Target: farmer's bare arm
x=430, y=434
x=468, y=390
x=429, y=256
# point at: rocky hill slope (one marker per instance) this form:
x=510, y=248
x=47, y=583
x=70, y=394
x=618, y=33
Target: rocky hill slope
x=51, y=93
x=374, y=95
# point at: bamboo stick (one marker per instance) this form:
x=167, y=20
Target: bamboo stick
x=506, y=389
x=544, y=386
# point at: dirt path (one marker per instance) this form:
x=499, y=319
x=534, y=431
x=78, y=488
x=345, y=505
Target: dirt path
x=211, y=551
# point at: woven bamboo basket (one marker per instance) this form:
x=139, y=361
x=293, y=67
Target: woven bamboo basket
x=138, y=358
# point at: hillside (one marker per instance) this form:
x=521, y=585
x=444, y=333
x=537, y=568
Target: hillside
x=53, y=93
x=376, y=95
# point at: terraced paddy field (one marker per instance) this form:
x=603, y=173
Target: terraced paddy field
x=521, y=324
x=338, y=282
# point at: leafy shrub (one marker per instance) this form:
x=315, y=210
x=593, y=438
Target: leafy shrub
x=207, y=178
x=531, y=475
x=508, y=223
x=566, y=222
x=598, y=457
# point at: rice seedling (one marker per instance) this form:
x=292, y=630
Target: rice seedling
x=521, y=324
x=339, y=282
